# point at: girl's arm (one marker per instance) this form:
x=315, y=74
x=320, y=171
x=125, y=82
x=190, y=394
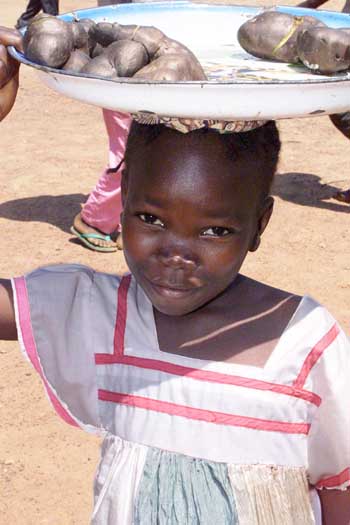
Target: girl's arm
x=335, y=507
x=8, y=329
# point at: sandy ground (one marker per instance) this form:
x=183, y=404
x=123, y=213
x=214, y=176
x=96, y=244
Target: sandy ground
x=52, y=151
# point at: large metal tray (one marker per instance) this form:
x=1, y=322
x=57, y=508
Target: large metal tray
x=239, y=86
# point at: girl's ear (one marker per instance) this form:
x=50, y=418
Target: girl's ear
x=265, y=215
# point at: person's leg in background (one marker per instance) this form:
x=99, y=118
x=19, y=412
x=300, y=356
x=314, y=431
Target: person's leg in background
x=100, y=216
x=50, y=7
x=342, y=122
x=33, y=8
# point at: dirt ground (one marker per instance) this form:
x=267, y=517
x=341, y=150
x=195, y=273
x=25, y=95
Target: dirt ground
x=52, y=151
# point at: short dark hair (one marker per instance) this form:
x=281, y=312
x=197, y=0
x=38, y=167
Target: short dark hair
x=262, y=144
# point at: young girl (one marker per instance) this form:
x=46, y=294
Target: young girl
x=222, y=400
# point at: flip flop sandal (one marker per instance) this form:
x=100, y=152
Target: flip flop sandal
x=84, y=237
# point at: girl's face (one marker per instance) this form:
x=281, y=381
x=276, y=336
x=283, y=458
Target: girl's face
x=190, y=217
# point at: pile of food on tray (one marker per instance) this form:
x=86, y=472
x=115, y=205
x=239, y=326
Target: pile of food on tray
x=109, y=50
x=283, y=37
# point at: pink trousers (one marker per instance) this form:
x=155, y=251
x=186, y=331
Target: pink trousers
x=103, y=208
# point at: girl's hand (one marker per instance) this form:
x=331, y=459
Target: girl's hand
x=8, y=69
x=8, y=329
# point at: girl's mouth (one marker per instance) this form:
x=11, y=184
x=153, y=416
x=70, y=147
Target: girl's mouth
x=172, y=291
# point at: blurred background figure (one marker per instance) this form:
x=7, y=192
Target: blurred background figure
x=340, y=120
x=34, y=7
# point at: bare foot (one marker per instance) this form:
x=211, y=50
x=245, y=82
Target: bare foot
x=82, y=227
x=343, y=196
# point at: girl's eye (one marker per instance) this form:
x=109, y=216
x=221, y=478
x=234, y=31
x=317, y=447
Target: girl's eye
x=217, y=231
x=151, y=219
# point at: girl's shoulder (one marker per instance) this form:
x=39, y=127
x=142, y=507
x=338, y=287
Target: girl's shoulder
x=264, y=293
x=303, y=312
x=66, y=294
x=65, y=314
x=66, y=269
x=65, y=277
x=283, y=308
x=283, y=326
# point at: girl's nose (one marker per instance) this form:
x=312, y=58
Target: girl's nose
x=178, y=261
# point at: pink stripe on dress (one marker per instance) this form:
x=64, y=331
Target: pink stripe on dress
x=208, y=376
x=120, y=324
x=334, y=481
x=31, y=350
x=209, y=416
x=315, y=354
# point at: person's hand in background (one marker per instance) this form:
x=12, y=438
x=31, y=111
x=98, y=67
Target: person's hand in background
x=9, y=69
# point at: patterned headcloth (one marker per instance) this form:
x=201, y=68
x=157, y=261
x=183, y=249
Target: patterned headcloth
x=186, y=125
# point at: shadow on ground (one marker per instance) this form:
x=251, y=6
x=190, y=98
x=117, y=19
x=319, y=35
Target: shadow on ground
x=306, y=189
x=57, y=210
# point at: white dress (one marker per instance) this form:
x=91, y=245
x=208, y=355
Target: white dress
x=189, y=441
